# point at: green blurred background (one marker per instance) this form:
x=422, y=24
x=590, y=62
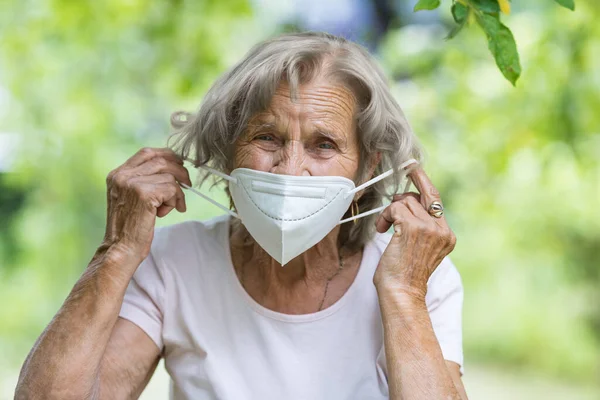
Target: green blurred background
x=84, y=84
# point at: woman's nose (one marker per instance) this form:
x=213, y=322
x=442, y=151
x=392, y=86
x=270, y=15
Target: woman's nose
x=291, y=160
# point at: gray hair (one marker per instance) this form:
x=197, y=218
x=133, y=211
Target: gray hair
x=209, y=135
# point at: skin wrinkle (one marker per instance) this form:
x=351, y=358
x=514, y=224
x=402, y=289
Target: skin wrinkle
x=65, y=361
x=412, y=321
x=87, y=336
x=297, y=288
x=313, y=136
x=323, y=110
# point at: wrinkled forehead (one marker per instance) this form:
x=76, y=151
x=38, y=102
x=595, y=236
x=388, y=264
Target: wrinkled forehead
x=321, y=104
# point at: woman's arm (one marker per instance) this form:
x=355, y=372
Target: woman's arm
x=86, y=351
x=128, y=363
x=415, y=364
x=66, y=360
x=416, y=367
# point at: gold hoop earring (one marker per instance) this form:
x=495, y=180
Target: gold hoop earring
x=354, y=213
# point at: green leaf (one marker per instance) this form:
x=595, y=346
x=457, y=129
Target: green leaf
x=427, y=5
x=502, y=46
x=455, y=31
x=488, y=6
x=460, y=12
x=570, y=4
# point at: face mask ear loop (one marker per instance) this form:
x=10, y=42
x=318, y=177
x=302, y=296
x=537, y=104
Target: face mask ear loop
x=374, y=180
x=205, y=197
x=218, y=173
x=373, y=211
x=380, y=177
x=369, y=183
x=214, y=172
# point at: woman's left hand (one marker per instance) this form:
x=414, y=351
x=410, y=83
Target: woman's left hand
x=420, y=241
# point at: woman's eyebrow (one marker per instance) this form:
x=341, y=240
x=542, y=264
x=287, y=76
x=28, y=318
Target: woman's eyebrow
x=329, y=135
x=259, y=126
x=326, y=134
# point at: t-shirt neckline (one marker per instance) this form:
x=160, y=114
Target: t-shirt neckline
x=293, y=318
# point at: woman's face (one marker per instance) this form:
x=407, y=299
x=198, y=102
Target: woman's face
x=316, y=135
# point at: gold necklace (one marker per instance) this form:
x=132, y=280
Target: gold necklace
x=341, y=266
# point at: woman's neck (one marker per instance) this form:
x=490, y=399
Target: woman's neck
x=298, y=287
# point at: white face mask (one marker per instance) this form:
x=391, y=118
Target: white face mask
x=286, y=214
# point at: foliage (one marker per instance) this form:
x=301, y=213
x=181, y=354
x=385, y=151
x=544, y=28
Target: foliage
x=427, y=5
x=487, y=14
x=519, y=171
x=88, y=83
x=570, y=4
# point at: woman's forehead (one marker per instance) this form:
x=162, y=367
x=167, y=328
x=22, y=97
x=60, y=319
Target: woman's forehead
x=320, y=103
x=321, y=91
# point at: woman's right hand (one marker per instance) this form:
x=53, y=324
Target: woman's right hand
x=145, y=187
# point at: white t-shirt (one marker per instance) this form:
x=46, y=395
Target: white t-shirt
x=218, y=343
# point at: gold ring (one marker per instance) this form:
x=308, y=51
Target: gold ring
x=436, y=209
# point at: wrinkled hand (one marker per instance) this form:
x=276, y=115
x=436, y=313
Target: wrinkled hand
x=420, y=241
x=143, y=188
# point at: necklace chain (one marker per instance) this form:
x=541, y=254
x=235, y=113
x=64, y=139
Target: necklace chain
x=341, y=266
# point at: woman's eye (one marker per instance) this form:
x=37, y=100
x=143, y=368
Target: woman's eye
x=326, y=146
x=265, y=137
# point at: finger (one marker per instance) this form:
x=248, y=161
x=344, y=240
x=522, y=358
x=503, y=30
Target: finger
x=167, y=207
x=413, y=203
x=180, y=199
x=152, y=179
x=395, y=214
x=163, y=192
x=163, y=211
x=148, y=153
x=401, y=196
x=410, y=167
x=172, y=196
x=428, y=191
x=160, y=165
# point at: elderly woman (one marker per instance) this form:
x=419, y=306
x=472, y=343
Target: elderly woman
x=296, y=292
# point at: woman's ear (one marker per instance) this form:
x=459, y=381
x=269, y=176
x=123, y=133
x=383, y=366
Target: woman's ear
x=374, y=162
